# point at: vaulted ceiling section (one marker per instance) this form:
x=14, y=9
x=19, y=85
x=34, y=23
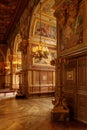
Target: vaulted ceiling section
x=10, y=12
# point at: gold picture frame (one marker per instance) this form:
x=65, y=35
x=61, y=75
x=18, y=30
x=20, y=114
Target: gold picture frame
x=45, y=61
x=46, y=30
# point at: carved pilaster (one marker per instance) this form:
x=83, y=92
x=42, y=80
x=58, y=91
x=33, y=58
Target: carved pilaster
x=60, y=106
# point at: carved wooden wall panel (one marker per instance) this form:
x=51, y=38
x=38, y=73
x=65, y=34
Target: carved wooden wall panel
x=75, y=87
x=81, y=79
x=50, y=77
x=42, y=81
x=35, y=78
x=71, y=99
x=86, y=74
x=70, y=76
x=82, y=107
x=82, y=89
x=43, y=77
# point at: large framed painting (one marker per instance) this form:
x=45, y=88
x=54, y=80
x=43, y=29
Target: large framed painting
x=45, y=61
x=45, y=30
x=70, y=21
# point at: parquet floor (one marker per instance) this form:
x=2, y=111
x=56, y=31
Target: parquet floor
x=32, y=114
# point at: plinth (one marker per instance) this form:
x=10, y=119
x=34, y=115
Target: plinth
x=60, y=114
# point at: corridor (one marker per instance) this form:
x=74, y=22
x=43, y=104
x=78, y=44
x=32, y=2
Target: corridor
x=31, y=114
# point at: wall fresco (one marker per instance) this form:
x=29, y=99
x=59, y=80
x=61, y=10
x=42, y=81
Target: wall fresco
x=71, y=24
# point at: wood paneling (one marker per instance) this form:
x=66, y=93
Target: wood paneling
x=50, y=77
x=75, y=88
x=43, y=81
x=81, y=81
x=70, y=75
x=82, y=107
x=43, y=77
x=71, y=99
x=35, y=78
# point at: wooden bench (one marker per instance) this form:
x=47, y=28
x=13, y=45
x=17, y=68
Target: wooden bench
x=4, y=91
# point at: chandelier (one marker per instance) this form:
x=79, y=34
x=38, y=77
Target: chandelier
x=40, y=51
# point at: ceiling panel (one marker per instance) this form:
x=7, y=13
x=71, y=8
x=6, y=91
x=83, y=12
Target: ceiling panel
x=10, y=11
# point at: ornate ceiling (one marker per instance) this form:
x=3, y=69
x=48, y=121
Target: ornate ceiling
x=10, y=11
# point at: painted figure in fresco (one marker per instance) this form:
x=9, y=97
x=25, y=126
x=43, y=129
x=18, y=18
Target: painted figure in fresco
x=70, y=21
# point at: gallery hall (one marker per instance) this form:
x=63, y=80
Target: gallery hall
x=43, y=64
